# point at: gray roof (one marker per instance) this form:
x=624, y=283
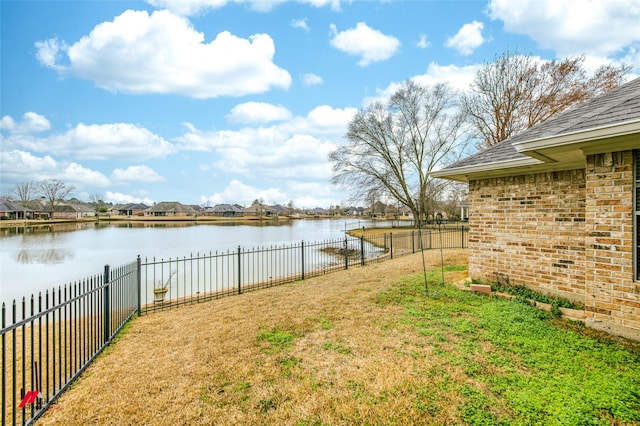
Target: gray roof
x=8, y=206
x=170, y=206
x=616, y=106
x=131, y=206
x=222, y=208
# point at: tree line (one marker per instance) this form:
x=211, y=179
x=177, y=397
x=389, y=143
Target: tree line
x=393, y=145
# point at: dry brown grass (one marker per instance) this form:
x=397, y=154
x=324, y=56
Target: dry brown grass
x=342, y=358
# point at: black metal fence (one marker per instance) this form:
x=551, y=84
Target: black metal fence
x=48, y=340
x=53, y=337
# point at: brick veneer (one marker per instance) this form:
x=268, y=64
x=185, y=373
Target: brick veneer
x=612, y=297
x=567, y=233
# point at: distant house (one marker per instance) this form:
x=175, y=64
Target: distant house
x=169, y=209
x=38, y=210
x=72, y=211
x=198, y=210
x=225, y=210
x=557, y=208
x=280, y=209
x=259, y=209
x=130, y=209
x=355, y=211
x=318, y=211
x=11, y=210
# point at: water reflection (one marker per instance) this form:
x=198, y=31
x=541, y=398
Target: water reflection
x=37, y=258
x=44, y=256
x=47, y=229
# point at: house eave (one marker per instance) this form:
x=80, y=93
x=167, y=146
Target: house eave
x=622, y=132
x=464, y=173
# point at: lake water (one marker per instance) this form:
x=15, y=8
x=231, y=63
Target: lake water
x=37, y=259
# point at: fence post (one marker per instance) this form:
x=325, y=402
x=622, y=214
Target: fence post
x=4, y=372
x=107, y=309
x=391, y=244
x=346, y=254
x=139, y=279
x=302, y=254
x=362, y=250
x=413, y=242
x=462, y=233
x=239, y=270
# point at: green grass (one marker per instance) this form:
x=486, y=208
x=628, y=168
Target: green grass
x=278, y=340
x=522, y=366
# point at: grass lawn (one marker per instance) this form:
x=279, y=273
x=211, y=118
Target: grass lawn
x=363, y=346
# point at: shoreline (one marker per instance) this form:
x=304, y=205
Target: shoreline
x=34, y=223
x=29, y=223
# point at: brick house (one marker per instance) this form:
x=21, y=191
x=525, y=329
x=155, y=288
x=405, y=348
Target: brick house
x=556, y=208
x=225, y=210
x=169, y=209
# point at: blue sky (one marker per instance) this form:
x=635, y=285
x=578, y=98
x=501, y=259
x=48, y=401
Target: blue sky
x=227, y=101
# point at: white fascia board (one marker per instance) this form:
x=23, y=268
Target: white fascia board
x=579, y=137
x=486, y=167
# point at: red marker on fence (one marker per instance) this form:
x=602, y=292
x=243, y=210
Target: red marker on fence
x=30, y=398
x=34, y=395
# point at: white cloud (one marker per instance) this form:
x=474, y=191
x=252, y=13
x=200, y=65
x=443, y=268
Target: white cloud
x=258, y=112
x=21, y=166
x=188, y=7
x=120, y=198
x=243, y=194
x=7, y=123
x=31, y=123
x=322, y=120
x=326, y=117
x=573, y=27
x=136, y=174
x=369, y=44
x=468, y=38
x=97, y=142
x=311, y=79
x=80, y=176
x=162, y=53
x=458, y=77
x=49, y=52
x=300, y=23
x=334, y=4
x=295, y=149
x=193, y=7
x=313, y=195
x=423, y=43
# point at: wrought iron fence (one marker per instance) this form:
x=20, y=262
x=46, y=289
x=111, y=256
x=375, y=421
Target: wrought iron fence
x=167, y=283
x=52, y=338
x=48, y=340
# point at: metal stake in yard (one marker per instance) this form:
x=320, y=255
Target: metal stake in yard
x=424, y=266
x=439, y=222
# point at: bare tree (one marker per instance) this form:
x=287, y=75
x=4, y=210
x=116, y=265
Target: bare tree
x=54, y=190
x=392, y=147
x=96, y=201
x=515, y=92
x=456, y=194
x=24, y=192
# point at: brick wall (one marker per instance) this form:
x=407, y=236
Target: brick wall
x=530, y=230
x=612, y=295
x=566, y=233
